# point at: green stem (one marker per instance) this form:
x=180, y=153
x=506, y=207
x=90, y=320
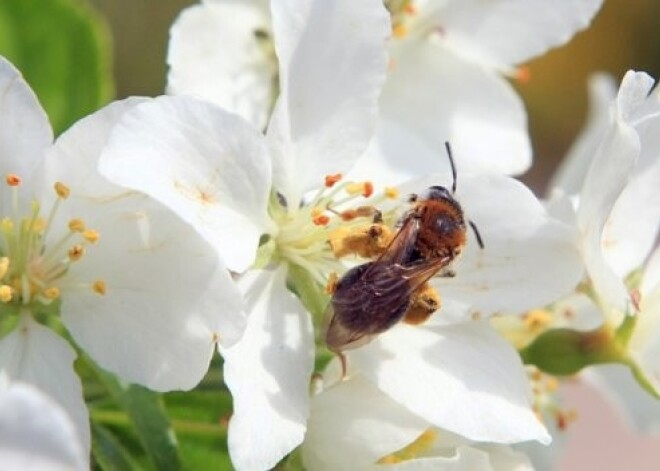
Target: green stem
x=185, y=427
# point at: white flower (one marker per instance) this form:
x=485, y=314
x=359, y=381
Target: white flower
x=109, y=260
x=36, y=433
x=618, y=206
x=353, y=425
x=444, y=81
x=262, y=198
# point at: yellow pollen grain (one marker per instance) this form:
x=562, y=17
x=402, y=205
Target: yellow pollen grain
x=355, y=188
x=316, y=212
x=6, y=293
x=99, y=287
x=76, y=225
x=13, y=180
x=91, y=235
x=76, y=252
x=62, y=190
x=52, y=293
x=4, y=266
x=391, y=192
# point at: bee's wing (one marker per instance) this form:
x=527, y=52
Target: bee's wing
x=403, y=243
x=421, y=272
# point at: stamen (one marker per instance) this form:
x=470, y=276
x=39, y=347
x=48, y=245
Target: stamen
x=321, y=220
x=391, y=192
x=76, y=252
x=330, y=180
x=536, y=319
x=4, y=266
x=62, y=190
x=523, y=75
x=6, y=293
x=13, y=180
x=99, y=287
x=76, y=225
x=52, y=293
x=400, y=31
x=91, y=235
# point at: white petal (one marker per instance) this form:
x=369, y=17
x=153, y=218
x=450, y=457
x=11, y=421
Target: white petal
x=268, y=373
x=36, y=433
x=463, y=378
x=218, y=51
x=468, y=458
x=608, y=175
x=332, y=65
x=168, y=299
x=35, y=355
x=507, y=32
x=528, y=259
x=208, y=166
x=24, y=128
x=353, y=424
x=443, y=98
x=573, y=169
x=644, y=344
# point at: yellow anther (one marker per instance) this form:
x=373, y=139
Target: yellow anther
x=76, y=252
x=52, y=293
x=537, y=319
x=39, y=225
x=354, y=188
x=315, y=212
x=13, y=179
x=99, y=287
x=91, y=235
x=62, y=190
x=6, y=293
x=76, y=225
x=400, y=31
x=4, y=266
x=551, y=384
x=391, y=192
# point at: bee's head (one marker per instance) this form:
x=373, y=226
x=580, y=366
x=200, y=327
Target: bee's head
x=437, y=193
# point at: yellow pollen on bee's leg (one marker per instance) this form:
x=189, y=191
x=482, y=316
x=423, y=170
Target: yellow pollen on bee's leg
x=91, y=235
x=13, y=180
x=62, y=190
x=6, y=293
x=99, y=287
x=331, y=285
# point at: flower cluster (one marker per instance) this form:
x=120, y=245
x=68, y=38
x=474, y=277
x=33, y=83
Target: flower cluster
x=226, y=213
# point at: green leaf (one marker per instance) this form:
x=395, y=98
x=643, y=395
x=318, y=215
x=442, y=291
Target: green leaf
x=108, y=452
x=146, y=411
x=63, y=50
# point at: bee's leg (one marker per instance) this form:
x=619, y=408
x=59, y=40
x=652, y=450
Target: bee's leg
x=344, y=365
x=424, y=303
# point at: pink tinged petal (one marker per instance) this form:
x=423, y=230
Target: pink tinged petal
x=608, y=175
x=208, y=166
x=24, y=128
x=218, y=51
x=36, y=433
x=268, y=373
x=332, y=66
x=168, y=296
x=443, y=98
x=353, y=424
x=502, y=33
x=464, y=378
x=35, y=355
x=573, y=169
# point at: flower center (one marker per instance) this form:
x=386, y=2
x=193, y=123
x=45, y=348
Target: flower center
x=31, y=267
x=339, y=220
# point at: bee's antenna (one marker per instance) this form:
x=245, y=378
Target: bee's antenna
x=476, y=234
x=453, y=166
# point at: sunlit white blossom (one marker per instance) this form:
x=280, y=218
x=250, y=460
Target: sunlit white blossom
x=106, y=259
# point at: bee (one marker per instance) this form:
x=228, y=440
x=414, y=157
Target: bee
x=372, y=297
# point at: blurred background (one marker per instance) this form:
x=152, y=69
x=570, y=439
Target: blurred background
x=624, y=35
